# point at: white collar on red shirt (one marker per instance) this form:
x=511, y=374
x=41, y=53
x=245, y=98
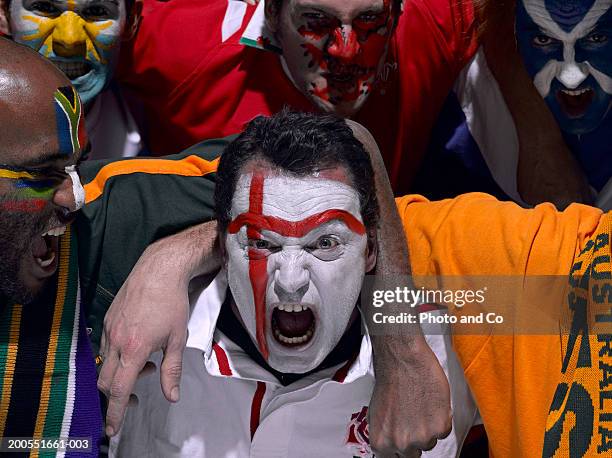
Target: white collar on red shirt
x=257, y=34
x=224, y=358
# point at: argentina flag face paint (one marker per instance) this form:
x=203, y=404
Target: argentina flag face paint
x=81, y=37
x=567, y=49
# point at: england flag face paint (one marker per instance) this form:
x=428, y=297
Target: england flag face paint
x=296, y=257
x=567, y=48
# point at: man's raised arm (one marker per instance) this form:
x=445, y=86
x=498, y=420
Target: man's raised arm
x=410, y=407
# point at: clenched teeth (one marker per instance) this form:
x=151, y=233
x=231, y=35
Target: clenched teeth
x=293, y=340
x=55, y=232
x=292, y=307
x=575, y=92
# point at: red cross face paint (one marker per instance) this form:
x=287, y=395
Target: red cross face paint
x=296, y=258
x=333, y=51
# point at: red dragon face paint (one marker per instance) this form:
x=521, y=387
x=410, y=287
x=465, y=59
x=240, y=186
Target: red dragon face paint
x=333, y=51
x=296, y=260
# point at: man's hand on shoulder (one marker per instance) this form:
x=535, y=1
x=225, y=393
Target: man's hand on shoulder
x=150, y=313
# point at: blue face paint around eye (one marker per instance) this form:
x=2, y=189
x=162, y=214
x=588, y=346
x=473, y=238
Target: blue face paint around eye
x=567, y=48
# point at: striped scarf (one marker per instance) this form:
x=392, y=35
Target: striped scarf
x=47, y=371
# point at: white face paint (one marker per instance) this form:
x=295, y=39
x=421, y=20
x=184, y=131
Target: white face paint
x=569, y=72
x=309, y=271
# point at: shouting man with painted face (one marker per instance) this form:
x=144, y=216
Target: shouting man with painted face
x=47, y=370
x=279, y=328
x=565, y=47
x=83, y=38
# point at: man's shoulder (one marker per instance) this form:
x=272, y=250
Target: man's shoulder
x=201, y=158
x=175, y=37
x=450, y=23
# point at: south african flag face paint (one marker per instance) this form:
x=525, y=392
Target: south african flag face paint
x=34, y=188
x=31, y=193
x=70, y=125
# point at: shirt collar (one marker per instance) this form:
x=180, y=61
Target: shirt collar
x=222, y=357
x=257, y=34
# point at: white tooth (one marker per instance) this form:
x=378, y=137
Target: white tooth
x=297, y=308
x=281, y=307
x=304, y=307
x=46, y=263
x=294, y=340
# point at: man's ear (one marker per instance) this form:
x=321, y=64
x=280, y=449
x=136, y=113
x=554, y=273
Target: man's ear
x=272, y=15
x=372, y=250
x=4, y=18
x=133, y=20
x=222, y=248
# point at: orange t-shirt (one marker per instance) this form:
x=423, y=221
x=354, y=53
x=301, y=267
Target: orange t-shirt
x=538, y=395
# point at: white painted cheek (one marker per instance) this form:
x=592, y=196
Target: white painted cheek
x=19, y=24
x=239, y=282
x=340, y=286
x=602, y=79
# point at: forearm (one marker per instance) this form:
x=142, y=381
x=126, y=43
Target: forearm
x=185, y=255
x=392, y=264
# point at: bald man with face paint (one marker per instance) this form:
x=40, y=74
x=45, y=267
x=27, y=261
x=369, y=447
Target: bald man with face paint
x=83, y=38
x=48, y=370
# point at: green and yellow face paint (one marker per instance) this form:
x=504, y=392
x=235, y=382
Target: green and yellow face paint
x=31, y=191
x=81, y=37
x=34, y=189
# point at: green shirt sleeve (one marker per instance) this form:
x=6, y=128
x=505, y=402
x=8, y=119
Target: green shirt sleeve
x=131, y=203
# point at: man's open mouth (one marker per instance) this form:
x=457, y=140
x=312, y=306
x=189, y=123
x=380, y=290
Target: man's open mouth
x=575, y=102
x=45, y=248
x=293, y=324
x=73, y=69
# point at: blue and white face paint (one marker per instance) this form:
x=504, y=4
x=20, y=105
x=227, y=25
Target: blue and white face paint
x=567, y=49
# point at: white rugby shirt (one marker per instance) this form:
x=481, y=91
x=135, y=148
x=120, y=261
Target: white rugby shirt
x=230, y=407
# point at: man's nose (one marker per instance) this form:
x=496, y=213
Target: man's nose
x=344, y=44
x=69, y=36
x=572, y=75
x=291, y=278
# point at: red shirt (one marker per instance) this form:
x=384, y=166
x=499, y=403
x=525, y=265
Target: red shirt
x=195, y=87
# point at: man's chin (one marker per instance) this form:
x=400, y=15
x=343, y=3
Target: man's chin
x=19, y=293
x=343, y=109
x=89, y=86
x=292, y=364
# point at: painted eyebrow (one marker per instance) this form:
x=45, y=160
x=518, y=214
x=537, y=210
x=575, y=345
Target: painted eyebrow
x=294, y=228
